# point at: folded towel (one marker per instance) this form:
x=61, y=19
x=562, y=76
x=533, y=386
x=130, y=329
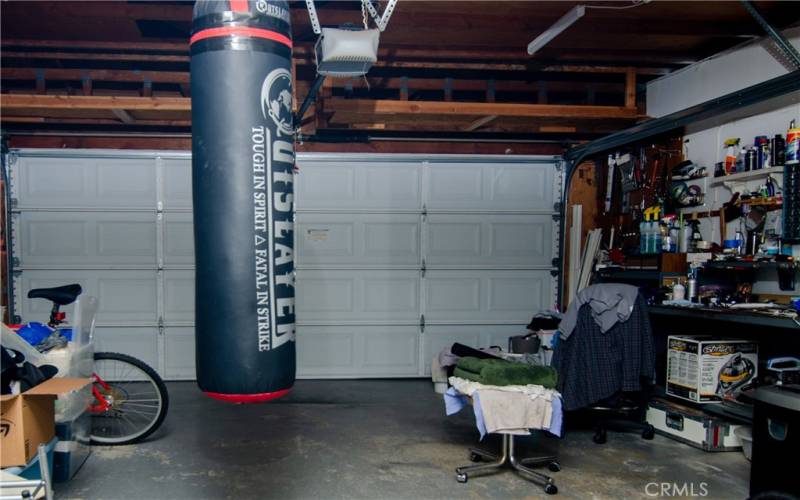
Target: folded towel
x=502, y=372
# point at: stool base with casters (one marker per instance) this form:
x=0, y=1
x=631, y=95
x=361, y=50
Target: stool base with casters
x=509, y=459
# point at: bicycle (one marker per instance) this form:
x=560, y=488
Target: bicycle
x=129, y=399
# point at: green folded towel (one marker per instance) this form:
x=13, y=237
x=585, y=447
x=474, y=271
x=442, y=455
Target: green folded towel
x=502, y=372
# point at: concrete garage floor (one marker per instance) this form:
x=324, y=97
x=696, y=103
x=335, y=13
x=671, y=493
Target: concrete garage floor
x=371, y=439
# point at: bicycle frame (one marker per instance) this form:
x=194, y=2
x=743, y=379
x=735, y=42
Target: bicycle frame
x=102, y=404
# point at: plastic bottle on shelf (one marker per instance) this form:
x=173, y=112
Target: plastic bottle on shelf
x=644, y=230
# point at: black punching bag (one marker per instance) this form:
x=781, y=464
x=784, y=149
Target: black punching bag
x=242, y=161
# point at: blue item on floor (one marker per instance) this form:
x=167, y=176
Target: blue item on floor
x=31, y=470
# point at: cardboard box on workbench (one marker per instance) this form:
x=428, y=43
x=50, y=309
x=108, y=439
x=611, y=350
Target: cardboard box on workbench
x=28, y=419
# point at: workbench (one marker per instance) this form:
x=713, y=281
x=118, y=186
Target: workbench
x=780, y=323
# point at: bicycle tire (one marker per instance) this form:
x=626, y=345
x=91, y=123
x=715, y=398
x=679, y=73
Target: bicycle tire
x=161, y=389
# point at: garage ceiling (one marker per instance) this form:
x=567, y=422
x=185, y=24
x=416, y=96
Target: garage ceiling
x=446, y=68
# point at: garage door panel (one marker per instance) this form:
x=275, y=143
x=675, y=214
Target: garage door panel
x=354, y=296
x=125, y=182
x=452, y=294
x=179, y=295
x=385, y=240
x=126, y=297
x=89, y=183
x=393, y=351
x=88, y=238
x=179, y=355
x=49, y=182
x=392, y=186
x=520, y=187
x=139, y=342
x=491, y=187
x=123, y=295
x=325, y=351
x=485, y=295
x=438, y=337
x=178, y=239
x=358, y=186
x=489, y=240
x=177, y=183
x=357, y=351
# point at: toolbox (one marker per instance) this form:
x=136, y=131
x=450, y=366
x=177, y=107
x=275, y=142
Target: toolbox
x=692, y=426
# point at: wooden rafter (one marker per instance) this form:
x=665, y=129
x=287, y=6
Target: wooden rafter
x=391, y=107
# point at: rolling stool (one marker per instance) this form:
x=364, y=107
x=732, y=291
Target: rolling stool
x=626, y=417
x=508, y=458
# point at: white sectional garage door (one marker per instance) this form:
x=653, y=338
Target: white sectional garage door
x=397, y=256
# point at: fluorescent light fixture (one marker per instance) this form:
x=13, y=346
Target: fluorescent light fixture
x=553, y=31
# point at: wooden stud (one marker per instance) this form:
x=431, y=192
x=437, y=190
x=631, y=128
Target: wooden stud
x=630, y=88
x=86, y=84
x=123, y=116
x=404, y=88
x=480, y=122
x=40, y=83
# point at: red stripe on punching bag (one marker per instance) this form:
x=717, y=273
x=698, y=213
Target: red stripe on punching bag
x=248, y=398
x=239, y=6
x=241, y=31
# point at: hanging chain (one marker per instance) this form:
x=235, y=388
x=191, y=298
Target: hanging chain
x=364, y=13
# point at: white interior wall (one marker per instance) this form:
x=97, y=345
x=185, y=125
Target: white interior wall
x=721, y=74
x=713, y=78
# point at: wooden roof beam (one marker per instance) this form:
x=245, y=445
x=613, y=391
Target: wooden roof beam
x=11, y=102
x=394, y=107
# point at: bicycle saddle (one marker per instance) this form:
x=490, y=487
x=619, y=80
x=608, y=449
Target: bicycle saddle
x=61, y=295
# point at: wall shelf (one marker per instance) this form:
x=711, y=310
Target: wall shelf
x=737, y=182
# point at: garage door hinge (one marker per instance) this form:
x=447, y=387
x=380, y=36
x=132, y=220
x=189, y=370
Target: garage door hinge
x=160, y=207
x=15, y=262
x=424, y=268
x=422, y=323
x=14, y=202
x=557, y=217
x=160, y=325
x=424, y=211
x=554, y=273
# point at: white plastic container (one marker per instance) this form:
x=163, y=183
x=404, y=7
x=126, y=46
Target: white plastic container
x=745, y=435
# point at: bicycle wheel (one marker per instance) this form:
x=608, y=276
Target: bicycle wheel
x=130, y=399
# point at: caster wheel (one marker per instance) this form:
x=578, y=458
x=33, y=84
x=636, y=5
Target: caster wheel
x=599, y=437
x=649, y=433
x=550, y=489
x=474, y=457
x=554, y=466
x=461, y=478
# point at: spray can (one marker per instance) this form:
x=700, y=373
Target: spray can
x=750, y=160
x=792, y=145
x=691, y=289
x=777, y=151
x=732, y=145
x=761, y=145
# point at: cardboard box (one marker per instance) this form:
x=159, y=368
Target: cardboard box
x=28, y=419
x=706, y=369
